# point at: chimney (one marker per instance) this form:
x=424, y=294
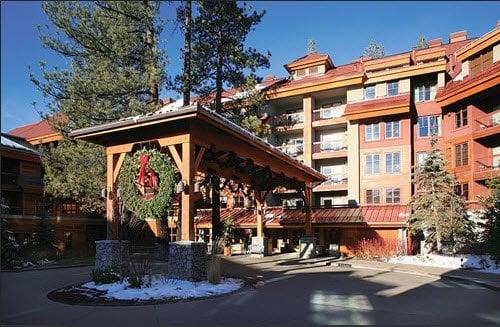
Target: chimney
x=435, y=43
x=458, y=36
x=269, y=77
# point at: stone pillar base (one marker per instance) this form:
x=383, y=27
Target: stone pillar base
x=107, y=253
x=259, y=247
x=188, y=260
x=307, y=247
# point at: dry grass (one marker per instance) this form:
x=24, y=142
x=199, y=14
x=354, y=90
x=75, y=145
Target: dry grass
x=375, y=248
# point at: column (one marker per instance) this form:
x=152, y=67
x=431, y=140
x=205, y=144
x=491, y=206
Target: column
x=353, y=158
x=187, y=198
x=308, y=107
x=259, y=242
x=307, y=244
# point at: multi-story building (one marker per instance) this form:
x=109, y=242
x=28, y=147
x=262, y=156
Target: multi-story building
x=367, y=125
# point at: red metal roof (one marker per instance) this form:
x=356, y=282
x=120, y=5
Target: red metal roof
x=380, y=214
x=35, y=130
x=399, y=100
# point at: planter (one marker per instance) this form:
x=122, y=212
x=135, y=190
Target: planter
x=227, y=251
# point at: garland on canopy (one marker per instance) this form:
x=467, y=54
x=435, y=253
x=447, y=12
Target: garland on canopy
x=147, y=183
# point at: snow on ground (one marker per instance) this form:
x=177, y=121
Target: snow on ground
x=482, y=263
x=162, y=287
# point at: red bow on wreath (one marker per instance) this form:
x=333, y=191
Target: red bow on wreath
x=152, y=181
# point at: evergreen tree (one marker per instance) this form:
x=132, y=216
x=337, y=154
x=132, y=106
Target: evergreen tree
x=116, y=70
x=9, y=245
x=374, y=50
x=491, y=218
x=219, y=57
x=44, y=237
x=421, y=43
x=436, y=209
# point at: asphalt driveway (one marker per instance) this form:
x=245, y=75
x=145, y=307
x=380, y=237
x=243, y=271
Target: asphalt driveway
x=287, y=292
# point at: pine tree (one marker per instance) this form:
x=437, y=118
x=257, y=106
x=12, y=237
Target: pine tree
x=10, y=247
x=421, y=43
x=116, y=70
x=490, y=235
x=436, y=209
x=374, y=50
x=219, y=55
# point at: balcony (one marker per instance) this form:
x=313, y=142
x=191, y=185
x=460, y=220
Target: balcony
x=293, y=150
x=15, y=181
x=487, y=167
x=287, y=122
x=329, y=116
x=486, y=126
x=329, y=149
x=335, y=182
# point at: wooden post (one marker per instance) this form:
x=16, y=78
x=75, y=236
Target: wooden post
x=308, y=204
x=259, y=200
x=187, y=198
x=111, y=228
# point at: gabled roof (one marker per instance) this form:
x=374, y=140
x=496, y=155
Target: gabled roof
x=39, y=132
x=309, y=60
x=18, y=144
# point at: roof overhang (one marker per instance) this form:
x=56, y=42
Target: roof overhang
x=479, y=44
x=377, y=108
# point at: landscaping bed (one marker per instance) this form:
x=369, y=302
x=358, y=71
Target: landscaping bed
x=482, y=263
x=160, y=290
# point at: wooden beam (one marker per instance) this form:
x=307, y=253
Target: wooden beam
x=175, y=156
x=308, y=204
x=121, y=148
x=173, y=140
x=199, y=157
x=259, y=201
x=111, y=230
x=118, y=166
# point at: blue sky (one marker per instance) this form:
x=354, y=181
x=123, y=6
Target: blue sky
x=341, y=29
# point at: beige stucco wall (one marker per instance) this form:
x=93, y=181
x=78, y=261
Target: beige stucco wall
x=464, y=72
x=385, y=180
x=496, y=53
x=380, y=90
x=404, y=85
x=440, y=81
x=308, y=105
x=353, y=160
x=354, y=94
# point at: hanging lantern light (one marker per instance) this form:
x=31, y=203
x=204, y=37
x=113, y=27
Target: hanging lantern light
x=197, y=187
x=103, y=193
x=180, y=187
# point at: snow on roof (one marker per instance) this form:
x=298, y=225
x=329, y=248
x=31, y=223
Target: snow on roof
x=17, y=143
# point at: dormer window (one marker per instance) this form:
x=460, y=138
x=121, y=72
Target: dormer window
x=313, y=70
x=301, y=73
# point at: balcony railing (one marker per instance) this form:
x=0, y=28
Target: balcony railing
x=329, y=146
x=335, y=179
x=11, y=179
x=486, y=122
x=486, y=164
x=328, y=113
x=288, y=120
x=292, y=149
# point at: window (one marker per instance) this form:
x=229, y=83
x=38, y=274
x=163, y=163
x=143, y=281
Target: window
x=425, y=91
x=461, y=154
x=301, y=72
x=372, y=132
x=421, y=157
x=462, y=190
x=372, y=164
x=239, y=201
x=313, y=70
x=429, y=125
x=392, y=162
x=392, y=195
x=392, y=88
x=327, y=201
x=69, y=208
x=370, y=92
x=293, y=203
x=373, y=196
x=461, y=118
x=481, y=62
x=392, y=129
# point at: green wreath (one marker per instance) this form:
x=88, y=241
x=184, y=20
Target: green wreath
x=157, y=206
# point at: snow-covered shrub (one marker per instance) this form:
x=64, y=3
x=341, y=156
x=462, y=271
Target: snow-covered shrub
x=106, y=275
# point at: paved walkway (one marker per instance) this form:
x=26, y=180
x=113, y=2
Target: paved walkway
x=289, y=291
x=488, y=280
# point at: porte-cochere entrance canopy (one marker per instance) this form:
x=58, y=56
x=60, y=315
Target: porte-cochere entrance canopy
x=201, y=140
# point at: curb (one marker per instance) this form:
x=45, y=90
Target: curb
x=451, y=277
x=45, y=268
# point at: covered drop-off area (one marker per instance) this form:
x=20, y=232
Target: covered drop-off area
x=199, y=142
